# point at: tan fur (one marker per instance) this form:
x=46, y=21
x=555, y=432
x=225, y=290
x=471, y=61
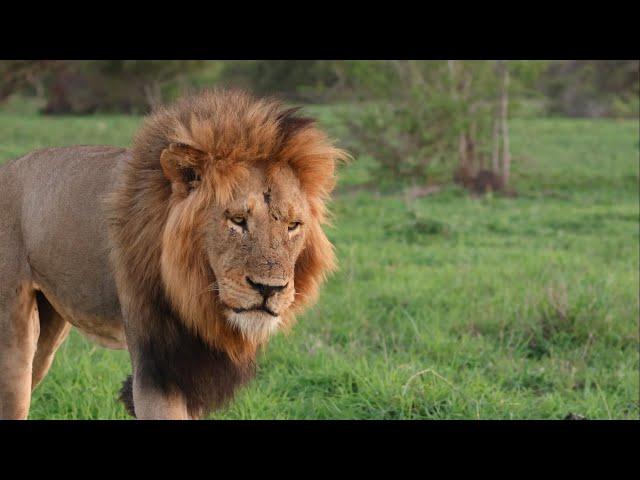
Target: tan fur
x=124, y=243
x=53, y=248
x=16, y=354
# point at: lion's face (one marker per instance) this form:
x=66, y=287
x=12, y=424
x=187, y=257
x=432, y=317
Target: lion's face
x=242, y=246
x=252, y=244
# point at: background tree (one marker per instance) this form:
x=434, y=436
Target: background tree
x=19, y=75
x=100, y=85
x=447, y=113
x=592, y=88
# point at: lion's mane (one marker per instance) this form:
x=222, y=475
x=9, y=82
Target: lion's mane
x=157, y=255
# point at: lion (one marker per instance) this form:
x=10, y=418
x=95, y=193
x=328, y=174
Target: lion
x=190, y=250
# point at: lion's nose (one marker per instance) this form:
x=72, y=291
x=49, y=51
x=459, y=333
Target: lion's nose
x=265, y=290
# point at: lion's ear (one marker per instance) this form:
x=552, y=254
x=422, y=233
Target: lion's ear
x=181, y=164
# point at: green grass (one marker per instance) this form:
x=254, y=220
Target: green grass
x=448, y=307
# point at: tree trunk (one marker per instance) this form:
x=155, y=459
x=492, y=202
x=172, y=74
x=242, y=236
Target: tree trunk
x=504, y=104
x=462, y=140
x=462, y=150
x=471, y=143
x=495, y=155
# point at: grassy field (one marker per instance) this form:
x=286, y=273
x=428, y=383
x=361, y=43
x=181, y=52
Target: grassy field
x=446, y=307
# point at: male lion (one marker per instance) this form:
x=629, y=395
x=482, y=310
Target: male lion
x=189, y=250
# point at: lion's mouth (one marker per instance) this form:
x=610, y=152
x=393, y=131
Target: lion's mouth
x=262, y=308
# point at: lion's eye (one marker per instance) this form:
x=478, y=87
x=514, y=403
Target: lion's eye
x=240, y=221
x=293, y=226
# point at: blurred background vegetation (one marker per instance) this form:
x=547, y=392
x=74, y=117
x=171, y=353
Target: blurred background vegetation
x=577, y=88
x=427, y=121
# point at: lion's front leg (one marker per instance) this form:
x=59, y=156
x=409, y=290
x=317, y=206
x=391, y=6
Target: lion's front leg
x=19, y=331
x=152, y=404
x=176, y=375
x=154, y=392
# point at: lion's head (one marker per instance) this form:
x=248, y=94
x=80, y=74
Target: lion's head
x=244, y=183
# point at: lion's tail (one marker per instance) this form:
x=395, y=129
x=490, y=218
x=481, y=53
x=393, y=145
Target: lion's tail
x=126, y=395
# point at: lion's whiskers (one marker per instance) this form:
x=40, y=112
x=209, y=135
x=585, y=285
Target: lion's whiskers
x=213, y=287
